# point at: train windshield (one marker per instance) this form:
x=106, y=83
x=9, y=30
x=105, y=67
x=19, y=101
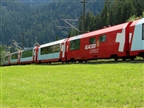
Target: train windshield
x=143, y=31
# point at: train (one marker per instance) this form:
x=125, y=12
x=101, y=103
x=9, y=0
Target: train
x=123, y=41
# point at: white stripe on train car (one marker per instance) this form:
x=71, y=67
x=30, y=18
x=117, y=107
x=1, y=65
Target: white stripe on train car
x=130, y=37
x=121, y=39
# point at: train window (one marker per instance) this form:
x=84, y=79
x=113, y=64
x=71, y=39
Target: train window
x=6, y=58
x=55, y=48
x=14, y=56
x=102, y=38
x=75, y=44
x=92, y=40
x=143, y=32
x=27, y=54
x=44, y=50
x=50, y=49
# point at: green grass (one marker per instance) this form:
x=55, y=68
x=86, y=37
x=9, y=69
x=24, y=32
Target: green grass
x=118, y=85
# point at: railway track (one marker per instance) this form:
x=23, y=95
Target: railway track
x=99, y=62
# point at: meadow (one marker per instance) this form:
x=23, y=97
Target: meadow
x=114, y=85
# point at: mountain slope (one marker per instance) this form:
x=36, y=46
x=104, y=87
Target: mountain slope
x=39, y=23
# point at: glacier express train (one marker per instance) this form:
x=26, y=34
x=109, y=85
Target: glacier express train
x=123, y=41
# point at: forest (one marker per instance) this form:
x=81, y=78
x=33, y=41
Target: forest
x=30, y=23
x=39, y=23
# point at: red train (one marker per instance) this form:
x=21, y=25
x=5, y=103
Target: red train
x=123, y=41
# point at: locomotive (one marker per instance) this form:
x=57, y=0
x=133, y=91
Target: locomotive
x=123, y=41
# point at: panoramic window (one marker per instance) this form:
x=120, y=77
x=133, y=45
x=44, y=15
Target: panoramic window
x=75, y=44
x=102, y=38
x=14, y=56
x=50, y=49
x=27, y=54
x=92, y=40
x=6, y=58
x=143, y=32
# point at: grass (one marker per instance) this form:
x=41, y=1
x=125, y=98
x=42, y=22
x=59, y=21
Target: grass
x=118, y=85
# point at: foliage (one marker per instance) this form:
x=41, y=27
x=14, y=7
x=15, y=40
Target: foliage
x=114, y=12
x=143, y=14
x=39, y=22
x=2, y=53
x=77, y=85
x=134, y=17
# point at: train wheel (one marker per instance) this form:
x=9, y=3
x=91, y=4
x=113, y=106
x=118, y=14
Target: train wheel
x=124, y=59
x=132, y=58
x=116, y=59
x=67, y=62
x=80, y=61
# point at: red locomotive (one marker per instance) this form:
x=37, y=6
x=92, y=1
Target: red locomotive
x=123, y=41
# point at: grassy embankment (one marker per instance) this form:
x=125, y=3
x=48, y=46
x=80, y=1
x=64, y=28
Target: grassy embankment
x=74, y=85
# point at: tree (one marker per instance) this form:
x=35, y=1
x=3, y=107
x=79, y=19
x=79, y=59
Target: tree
x=2, y=53
x=129, y=9
x=89, y=22
x=105, y=13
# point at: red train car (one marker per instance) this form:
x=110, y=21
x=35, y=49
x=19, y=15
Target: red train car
x=111, y=42
x=52, y=52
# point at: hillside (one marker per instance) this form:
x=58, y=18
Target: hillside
x=35, y=2
x=39, y=23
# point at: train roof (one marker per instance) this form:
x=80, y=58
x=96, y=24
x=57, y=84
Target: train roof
x=105, y=30
x=140, y=21
x=53, y=43
x=100, y=31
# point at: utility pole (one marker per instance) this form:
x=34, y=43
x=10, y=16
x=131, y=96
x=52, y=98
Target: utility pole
x=83, y=21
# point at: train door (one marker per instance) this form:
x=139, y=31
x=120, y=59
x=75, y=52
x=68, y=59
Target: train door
x=9, y=59
x=90, y=49
x=63, y=51
x=19, y=57
x=102, y=46
x=35, y=54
